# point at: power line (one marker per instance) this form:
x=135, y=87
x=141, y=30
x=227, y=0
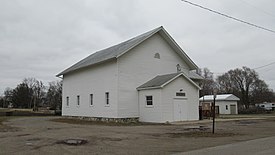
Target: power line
x=272, y=63
x=233, y=18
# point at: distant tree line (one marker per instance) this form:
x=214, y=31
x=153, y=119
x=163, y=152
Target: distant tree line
x=32, y=93
x=242, y=82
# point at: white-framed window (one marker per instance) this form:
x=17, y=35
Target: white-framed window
x=91, y=99
x=149, y=100
x=226, y=107
x=78, y=100
x=67, y=101
x=107, y=98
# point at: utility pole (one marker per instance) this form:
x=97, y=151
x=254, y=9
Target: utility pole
x=214, y=109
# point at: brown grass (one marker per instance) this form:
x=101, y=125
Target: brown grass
x=87, y=122
x=198, y=134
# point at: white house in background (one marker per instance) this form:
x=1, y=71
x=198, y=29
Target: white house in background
x=148, y=77
x=266, y=105
x=227, y=103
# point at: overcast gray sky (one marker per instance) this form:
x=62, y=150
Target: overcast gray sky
x=40, y=38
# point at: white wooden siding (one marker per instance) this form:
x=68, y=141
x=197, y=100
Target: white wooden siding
x=222, y=106
x=150, y=113
x=94, y=80
x=138, y=66
x=169, y=93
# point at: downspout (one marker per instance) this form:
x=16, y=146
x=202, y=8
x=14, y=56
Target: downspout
x=138, y=106
x=117, y=83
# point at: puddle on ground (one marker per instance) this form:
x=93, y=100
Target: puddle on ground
x=246, y=122
x=74, y=142
x=196, y=128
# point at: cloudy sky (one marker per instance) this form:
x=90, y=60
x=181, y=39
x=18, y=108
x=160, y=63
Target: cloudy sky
x=40, y=38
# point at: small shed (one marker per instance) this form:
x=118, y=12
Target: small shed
x=225, y=103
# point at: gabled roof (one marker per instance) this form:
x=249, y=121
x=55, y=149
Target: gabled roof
x=162, y=80
x=222, y=97
x=120, y=49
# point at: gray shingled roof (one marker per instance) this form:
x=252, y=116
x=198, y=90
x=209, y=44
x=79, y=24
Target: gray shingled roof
x=158, y=81
x=110, y=53
x=161, y=80
x=119, y=49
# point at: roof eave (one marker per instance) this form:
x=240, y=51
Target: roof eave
x=146, y=88
x=181, y=74
x=65, y=72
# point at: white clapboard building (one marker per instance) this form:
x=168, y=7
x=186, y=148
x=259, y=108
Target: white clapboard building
x=148, y=77
x=225, y=103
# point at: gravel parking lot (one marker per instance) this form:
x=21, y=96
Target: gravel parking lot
x=47, y=135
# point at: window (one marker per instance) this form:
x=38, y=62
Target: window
x=149, y=100
x=180, y=94
x=157, y=56
x=78, y=100
x=91, y=99
x=67, y=100
x=107, y=98
x=226, y=107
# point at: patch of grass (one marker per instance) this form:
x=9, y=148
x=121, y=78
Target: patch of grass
x=25, y=112
x=88, y=122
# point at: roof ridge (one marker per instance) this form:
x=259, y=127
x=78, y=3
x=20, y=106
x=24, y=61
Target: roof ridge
x=115, y=51
x=160, y=81
x=111, y=52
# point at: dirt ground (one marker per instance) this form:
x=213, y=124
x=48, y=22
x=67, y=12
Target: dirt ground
x=42, y=135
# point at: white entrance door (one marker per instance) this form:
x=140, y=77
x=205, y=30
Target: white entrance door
x=180, y=110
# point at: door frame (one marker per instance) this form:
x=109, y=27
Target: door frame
x=174, y=111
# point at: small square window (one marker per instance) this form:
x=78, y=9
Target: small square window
x=107, y=98
x=67, y=100
x=149, y=100
x=78, y=100
x=91, y=99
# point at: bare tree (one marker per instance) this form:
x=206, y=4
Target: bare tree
x=261, y=93
x=226, y=84
x=1, y=101
x=54, y=95
x=7, y=99
x=241, y=82
x=37, y=89
x=207, y=83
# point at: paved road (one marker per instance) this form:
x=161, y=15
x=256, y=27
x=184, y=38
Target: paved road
x=263, y=146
